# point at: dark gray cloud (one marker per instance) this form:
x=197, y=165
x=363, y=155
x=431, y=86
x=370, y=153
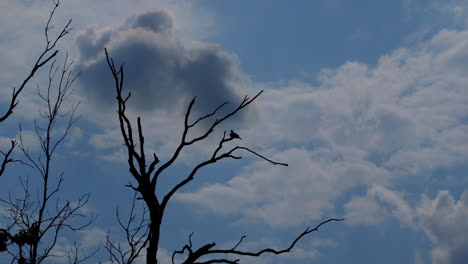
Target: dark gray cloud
x=157, y=21
x=161, y=71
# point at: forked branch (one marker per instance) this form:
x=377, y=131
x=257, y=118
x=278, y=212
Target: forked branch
x=194, y=255
x=47, y=54
x=6, y=157
x=214, y=158
x=136, y=231
x=185, y=142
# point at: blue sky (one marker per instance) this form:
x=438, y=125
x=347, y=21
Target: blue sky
x=366, y=100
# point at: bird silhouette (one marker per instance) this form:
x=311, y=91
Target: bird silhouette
x=234, y=135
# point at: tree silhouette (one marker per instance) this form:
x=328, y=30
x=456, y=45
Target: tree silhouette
x=146, y=173
x=35, y=224
x=47, y=54
x=34, y=221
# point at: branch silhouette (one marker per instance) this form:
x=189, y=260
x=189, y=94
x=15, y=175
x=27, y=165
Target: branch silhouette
x=194, y=255
x=47, y=55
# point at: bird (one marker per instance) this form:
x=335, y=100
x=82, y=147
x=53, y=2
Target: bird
x=234, y=135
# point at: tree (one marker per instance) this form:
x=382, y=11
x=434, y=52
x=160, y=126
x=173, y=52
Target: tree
x=36, y=219
x=47, y=54
x=146, y=172
x=36, y=223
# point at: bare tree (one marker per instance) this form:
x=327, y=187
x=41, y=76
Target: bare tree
x=47, y=54
x=36, y=221
x=147, y=172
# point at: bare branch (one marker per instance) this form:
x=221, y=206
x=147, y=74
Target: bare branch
x=256, y=154
x=206, y=250
x=208, y=115
x=77, y=255
x=125, y=125
x=35, y=219
x=47, y=54
x=238, y=243
x=214, y=159
x=6, y=157
x=136, y=232
x=245, y=102
x=275, y=251
x=219, y=261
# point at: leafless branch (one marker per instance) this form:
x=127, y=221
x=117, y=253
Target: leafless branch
x=194, y=255
x=37, y=223
x=6, y=157
x=238, y=243
x=48, y=53
x=214, y=158
x=184, y=142
x=136, y=232
x=77, y=255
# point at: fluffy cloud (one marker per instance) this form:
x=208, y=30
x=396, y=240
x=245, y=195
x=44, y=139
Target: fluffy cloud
x=289, y=196
x=445, y=221
x=360, y=126
x=161, y=70
x=406, y=114
x=379, y=204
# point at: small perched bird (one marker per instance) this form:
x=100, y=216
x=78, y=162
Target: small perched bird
x=234, y=135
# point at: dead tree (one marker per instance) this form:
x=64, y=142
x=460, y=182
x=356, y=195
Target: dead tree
x=47, y=54
x=38, y=219
x=147, y=172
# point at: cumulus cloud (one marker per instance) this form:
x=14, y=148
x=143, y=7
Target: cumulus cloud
x=361, y=125
x=445, y=221
x=379, y=204
x=290, y=196
x=161, y=70
x=406, y=114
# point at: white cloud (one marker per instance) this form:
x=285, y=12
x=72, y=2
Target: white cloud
x=74, y=136
x=287, y=196
x=110, y=139
x=5, y=143
x=30, y=140
x=379, y=204
x=92, y=237
x=361, y=125
x=364, y=210
x=445, y=221
x=89, y=241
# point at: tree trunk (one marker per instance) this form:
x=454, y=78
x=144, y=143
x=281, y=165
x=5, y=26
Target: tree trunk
x=155, y=225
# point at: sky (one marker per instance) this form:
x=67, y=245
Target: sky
x=367, y=101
